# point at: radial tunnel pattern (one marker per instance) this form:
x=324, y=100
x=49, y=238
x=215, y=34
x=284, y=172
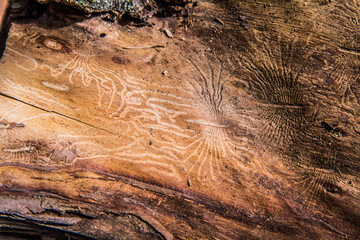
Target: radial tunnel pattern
x=129, y=119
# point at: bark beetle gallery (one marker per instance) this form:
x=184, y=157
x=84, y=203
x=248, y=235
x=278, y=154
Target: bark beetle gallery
x=180, y=120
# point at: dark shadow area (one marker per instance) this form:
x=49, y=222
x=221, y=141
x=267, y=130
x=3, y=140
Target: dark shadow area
x=11, y=229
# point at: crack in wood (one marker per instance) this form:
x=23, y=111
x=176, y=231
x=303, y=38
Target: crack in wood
x=54, y=112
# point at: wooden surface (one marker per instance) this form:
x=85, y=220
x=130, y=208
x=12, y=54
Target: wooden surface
x=233, y=120
x=3, y=7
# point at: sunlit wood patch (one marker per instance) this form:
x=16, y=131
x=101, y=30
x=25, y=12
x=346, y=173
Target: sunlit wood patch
x=131, y=121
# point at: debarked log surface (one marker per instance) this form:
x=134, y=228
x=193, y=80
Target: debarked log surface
x=209, y=120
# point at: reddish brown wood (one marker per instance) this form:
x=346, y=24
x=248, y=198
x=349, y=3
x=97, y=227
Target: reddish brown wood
x=242, y=125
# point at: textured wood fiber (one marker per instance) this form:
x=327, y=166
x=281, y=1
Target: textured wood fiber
x=244, y=125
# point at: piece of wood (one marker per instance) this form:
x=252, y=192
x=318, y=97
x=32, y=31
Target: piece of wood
x=4, y=24
x=244, y=125
x=3, y=9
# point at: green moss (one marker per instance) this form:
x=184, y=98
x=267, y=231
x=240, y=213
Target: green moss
x=135, y=8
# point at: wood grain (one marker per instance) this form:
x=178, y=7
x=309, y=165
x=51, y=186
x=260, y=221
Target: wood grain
x=243, y=125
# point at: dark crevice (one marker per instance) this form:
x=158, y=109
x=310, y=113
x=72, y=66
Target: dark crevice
x=15, y=228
